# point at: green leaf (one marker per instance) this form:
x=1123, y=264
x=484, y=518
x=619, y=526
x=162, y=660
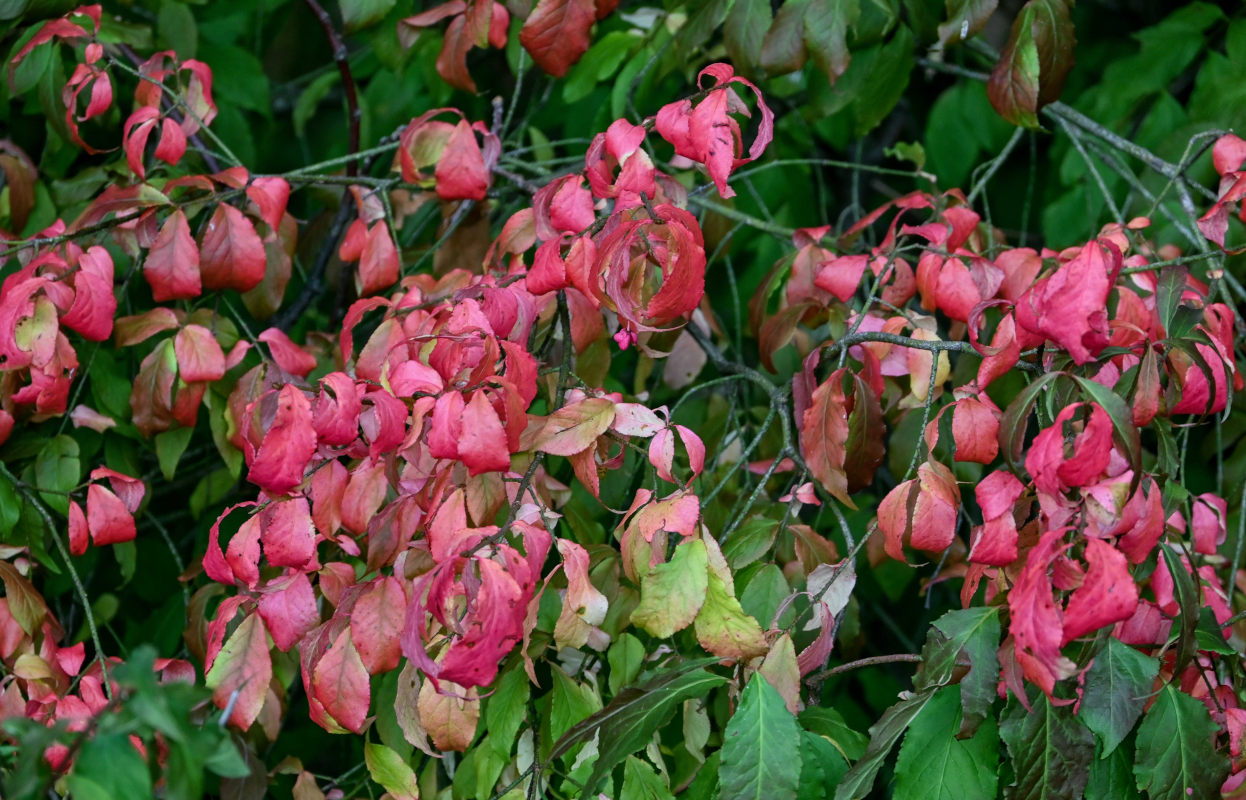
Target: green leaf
x=601, y=61
x=1035, y=62
x=1050, y=750
x=641, y=782
x=721, y=625
x=57, y=470
x=764, y=593
x=628, y=723
x=505, y=710
x=571, y=702
x=10, y=507
x=883, y=735
x=750, y=541
x=176, y=29
x=170, y=445
x=358, y=14
x=1168, y=290
x=826, y=34
x=624, y=658
x=744, y=31
x=827, y=723
x=389, y=770
x=758, y=747
x=1118, y=685
x=783, y=49
x=1111, y=776
x=964, y=19
x=1176, y=755
x=672, y=594
x=821, y=766
x=887, y=68
x=975, y=631
x=934, y=764
x=109, y=762
x=1188, y=601
x=309, y=100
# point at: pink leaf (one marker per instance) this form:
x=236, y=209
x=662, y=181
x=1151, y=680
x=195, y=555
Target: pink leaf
x=279, y=463
x=231, y=252
x=172, y=264
x=199, y=356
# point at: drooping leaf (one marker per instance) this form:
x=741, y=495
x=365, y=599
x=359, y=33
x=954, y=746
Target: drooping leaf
x=1050, y=748
x=974, y=632
x=641, y=782
x=672, y=594
x=231, y=253
x=241, y=672
x=1117, y=686
x=1033, y=65
x=964, y=19
x=627, y=724
x=1176, y=757
x=826, y=34
x=556, y=34
x=758, y=747
x=340, y=682
x=824, y=434
x=933, y=763
x=389, y=770
x=721, y=625
x=883, y=735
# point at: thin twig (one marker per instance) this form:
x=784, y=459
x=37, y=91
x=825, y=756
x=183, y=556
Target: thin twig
x=871, y=661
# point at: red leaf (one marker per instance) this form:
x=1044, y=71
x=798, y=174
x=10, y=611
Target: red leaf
x=1208, y=523
x=79, y=536
x=461, y=172
x=242, y=671
x=864, y=449
x=482, y=445
x=288, y=355
x=94, y=305
x=706, y=134
x=364, y=494
x=199, y=356
x=231, y=252
x=1070, y=306
x=824, y=436
x=556, y=34
x=1107, y=595
x=279, y=463
x=172, y=264
x=841, y=276
x=340, y=683
x=1037, y=622
x=270, y=196
x=288, y=536
x=975, y=429
x=376, y=623
x=378, y=263
x=288, y=606
x=995, y=542
x=1055, y=465
x=921, y=512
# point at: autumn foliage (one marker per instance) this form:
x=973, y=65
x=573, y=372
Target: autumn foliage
x=463, y=493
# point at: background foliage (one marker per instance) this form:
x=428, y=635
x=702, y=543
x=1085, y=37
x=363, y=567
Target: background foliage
x=873, y=100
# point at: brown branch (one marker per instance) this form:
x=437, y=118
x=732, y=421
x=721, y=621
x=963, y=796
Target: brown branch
x=341, y=57
x=894, y=658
